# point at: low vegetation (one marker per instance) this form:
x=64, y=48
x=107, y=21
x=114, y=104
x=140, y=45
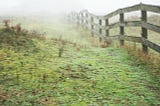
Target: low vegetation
x=40, y=71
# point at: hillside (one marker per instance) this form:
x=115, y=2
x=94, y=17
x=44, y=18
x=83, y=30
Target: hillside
x=60, y=71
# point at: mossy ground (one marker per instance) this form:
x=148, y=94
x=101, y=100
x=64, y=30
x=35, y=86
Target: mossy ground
x=82, y=76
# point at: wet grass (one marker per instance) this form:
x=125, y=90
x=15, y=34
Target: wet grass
x=94, y=76
x=84, y=75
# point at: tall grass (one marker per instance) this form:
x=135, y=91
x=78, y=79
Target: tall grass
x=60, y=30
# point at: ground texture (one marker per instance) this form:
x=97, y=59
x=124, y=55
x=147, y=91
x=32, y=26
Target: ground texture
x=55, y=72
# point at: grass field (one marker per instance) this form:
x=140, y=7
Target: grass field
x=71, y=69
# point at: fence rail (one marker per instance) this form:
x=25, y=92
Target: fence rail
x=86, y=19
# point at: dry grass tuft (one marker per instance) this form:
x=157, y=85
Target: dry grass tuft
x=106, y=43
x=3, y=96
x=150, y=60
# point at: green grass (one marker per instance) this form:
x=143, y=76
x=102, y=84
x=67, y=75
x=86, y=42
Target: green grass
x=88, y=77
x=52, y=28
x=84, y=76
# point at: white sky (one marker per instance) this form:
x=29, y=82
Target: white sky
x=57, y=6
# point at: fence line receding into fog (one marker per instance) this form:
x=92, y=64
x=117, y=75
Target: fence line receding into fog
x=87, y=20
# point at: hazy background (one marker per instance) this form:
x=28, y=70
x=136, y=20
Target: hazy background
x=50, y=7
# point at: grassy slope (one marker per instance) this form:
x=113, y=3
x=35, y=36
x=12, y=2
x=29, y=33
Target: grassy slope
x=81, y=77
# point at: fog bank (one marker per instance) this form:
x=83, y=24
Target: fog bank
x=52, y=7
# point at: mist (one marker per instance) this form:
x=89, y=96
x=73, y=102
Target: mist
x=54, y=7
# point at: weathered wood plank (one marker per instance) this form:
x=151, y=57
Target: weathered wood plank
x=144, y=31
x=131, y=23
x=151, y=27
x=100, y=29
x=123, y=10
x=151, y=45
x=114, y=25
x=92, y=15
x=151, y=8
x=121, y=19
x=126, y=23
x=131, y=8
x=115, y=37
x=96, y=33
x=106, y=24
x=96, y=25
x=92, y=26
x=131, y=38
x=112, y=14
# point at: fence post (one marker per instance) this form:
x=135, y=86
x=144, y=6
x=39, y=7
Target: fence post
x=100, y=30
x=92, y=26
x=73, y=17
x=86, y=18
x=106, y=24
x=121, y=28
x=70, y=17
x=77, y=20
x=82, y=19
x=144, y=30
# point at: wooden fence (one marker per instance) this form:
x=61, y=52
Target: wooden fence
x=86, y=19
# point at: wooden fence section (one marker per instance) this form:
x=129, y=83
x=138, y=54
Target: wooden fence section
x=86, y=19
